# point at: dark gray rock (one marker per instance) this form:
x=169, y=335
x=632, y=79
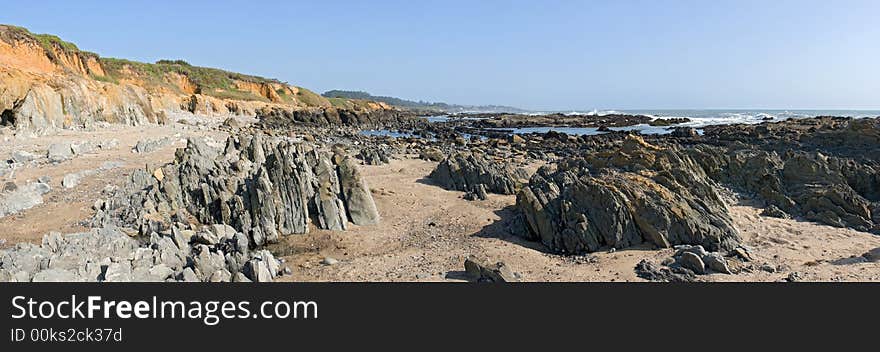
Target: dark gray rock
x=464, y=171
x=774, y=212
x=647, y=270
x=692, y=261
x=632, y=194
x=717, y=263
x=479, y=270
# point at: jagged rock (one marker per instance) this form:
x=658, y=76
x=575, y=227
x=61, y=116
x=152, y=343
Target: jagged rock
x=464, y=171
x=231, y=122
x=118, y=272
x=742, y=253
x=775, y=212
x=374, y=155
x=684, y=132
x=108, y=254
x=629, y=195
x=356, y=194
x=263, y=187
x=431, y=154
x=478, y=193
x=257, y=271
x=478, y=270
x=221, y=276
x=240, y=277
x=151, y=145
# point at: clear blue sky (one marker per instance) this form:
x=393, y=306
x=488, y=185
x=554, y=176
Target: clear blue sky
x=542, y=55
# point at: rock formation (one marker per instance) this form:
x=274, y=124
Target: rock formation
x=215, y=253
x=263, y=187
x=465, y=171
x=638, y=193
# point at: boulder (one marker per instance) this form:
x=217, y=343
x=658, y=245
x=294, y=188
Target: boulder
x=479, y=270
x=356, y=194
x=464, y=171
x=261, y=186
x=59, y=152
x=632, y=194
x=22, y=198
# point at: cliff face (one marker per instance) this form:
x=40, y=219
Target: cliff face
x=47, y=84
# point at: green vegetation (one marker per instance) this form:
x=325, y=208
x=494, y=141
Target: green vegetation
x=416, y=105
x=47, y=41
x=308, y=97
x=208, y=81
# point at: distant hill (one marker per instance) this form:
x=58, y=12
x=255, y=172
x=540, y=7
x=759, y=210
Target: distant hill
x=419, y=105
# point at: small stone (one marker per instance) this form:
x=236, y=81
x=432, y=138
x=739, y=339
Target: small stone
x=872, y=255
x=691, y=261
x=23, y=157
x=329, y=261
x=71, y=180
x=716, y=262
x=768, y=268
x=59, y=152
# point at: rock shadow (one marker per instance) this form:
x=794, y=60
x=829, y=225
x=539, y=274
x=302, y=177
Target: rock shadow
x=501, y=230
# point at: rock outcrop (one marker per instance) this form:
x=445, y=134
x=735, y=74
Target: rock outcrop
x=637, y=193
x=215, y=253
x=464, y=171
x=824, y=169
x=275, y=117
x=263, y=187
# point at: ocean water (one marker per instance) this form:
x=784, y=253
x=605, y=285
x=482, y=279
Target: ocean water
x=699, y=119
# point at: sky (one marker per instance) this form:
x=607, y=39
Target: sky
x=538, y=55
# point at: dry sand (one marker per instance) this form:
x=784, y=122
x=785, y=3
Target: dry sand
x=426, y=232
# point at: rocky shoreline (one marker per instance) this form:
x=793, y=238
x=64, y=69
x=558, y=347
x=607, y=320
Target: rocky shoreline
x=288, y=173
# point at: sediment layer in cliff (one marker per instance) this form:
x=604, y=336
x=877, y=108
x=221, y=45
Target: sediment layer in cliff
x=47, y=84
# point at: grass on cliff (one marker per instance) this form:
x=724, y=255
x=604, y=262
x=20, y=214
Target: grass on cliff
x=208, y=81
x=47, y=41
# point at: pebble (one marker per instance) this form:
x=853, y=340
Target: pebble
x=329, y=261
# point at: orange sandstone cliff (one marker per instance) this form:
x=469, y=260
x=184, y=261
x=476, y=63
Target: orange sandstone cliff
x=47, y=84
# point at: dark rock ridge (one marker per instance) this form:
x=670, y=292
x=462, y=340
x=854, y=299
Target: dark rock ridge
x=281, y=118
x=558, y=120
x=634, y=194
x=820, y=169
x=825, y=169
x=669, y=121
x=475, y=172
x=263, y=187
x=375, y=155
